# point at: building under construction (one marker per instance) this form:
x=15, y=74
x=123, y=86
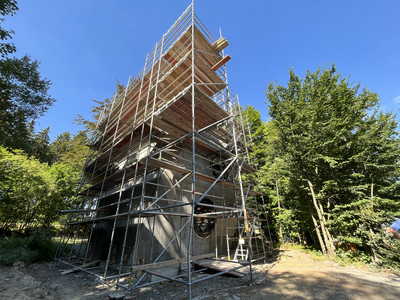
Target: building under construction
x=169, y=182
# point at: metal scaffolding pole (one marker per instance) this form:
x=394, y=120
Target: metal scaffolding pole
x=135, y=176
x=189, y=246
x=173, y=168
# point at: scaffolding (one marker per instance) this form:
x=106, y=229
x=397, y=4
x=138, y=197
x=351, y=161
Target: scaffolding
x=169, y=180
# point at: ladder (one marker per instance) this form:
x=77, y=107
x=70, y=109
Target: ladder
x=242, y=248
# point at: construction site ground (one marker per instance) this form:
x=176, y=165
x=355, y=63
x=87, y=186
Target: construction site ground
x=291, y=274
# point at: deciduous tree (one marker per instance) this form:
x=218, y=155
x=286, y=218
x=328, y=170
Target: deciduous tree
x=23, y=98
x=340, y=148
x=7, y=7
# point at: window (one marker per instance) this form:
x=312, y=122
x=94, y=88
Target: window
x=204, y=226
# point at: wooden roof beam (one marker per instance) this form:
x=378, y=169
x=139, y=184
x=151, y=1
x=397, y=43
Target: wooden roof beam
x=219, y=64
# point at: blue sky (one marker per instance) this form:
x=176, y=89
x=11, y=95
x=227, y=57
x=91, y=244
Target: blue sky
x=84, y=46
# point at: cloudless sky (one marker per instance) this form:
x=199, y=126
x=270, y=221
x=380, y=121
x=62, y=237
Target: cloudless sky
x=84, y=46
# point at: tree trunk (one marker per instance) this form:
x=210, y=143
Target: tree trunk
x=279, y=207
x=317, y=230
x=372, y=195
x=374, y=256
x=329, y=241
x=326, y=241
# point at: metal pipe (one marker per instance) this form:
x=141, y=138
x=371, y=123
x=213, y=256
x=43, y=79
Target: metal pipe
x=189, y=247
x=216, y=180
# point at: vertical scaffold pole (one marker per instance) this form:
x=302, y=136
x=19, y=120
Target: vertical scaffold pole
x=189, y=251
x=228, y=107
x=134, y=124
x=92, y=176
x=119, y=199
x=135, y=247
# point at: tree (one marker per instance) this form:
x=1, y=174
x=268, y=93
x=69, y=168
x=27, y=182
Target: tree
x=39, y=181
x=40, y=145
x=32, y=193
x=23, y=98
x=373, y=191
x=273, y=176
x=26, y=185
x=327, y=130
x=7, y=7
x=71, y=151
x=99, y=113
x=59, y=146
x=23, y=93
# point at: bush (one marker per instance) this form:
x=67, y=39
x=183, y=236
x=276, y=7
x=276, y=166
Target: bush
x=36, y=248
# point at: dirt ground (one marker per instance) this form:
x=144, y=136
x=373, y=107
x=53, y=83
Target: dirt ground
x=294, y=275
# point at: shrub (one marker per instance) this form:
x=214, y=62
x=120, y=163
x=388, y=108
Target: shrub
x=36, y=248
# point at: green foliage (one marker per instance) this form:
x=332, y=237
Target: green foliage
x=7, y=7
x=25, y=184
x=253, y=120
x=23, y=92
x=59, y=146
x=98, y=113
x=360, y=224
x=350, y=257
x=328, y=137
x=273, y=176
x=33, y=193
x=36, y=248
x=73, y=152
x=40, y=145
x=23, y=98
x=36, y=183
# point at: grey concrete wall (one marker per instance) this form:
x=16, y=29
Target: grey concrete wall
x=157, y=232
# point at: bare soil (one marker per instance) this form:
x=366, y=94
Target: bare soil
x=291, y=275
